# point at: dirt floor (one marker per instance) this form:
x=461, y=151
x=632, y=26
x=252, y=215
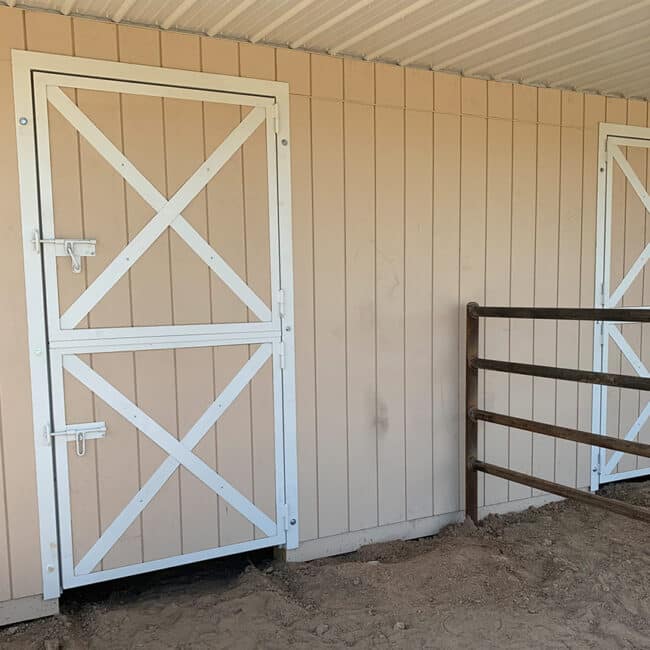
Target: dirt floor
x=562, y=576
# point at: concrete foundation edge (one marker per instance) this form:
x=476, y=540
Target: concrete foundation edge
x=26, y=609
x=352, y=541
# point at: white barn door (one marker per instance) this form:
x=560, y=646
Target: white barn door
x=166, y=264
x=622, y=280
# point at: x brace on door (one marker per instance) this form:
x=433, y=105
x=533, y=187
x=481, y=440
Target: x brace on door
x=612, y=138
x=168, y=211
x=641, y=192
x=615, y=334
x=180, y=453
x=44, y=83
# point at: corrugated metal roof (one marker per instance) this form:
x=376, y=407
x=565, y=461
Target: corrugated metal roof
x=596, y=45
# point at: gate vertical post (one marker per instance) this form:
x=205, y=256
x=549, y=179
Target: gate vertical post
x=471, y=402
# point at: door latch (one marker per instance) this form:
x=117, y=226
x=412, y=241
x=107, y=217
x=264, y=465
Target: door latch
x=75, y=249
x=79, y=433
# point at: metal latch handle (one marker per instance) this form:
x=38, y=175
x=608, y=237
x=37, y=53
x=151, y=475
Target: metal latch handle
x=76, y=262
x=79, y=433
x=75, y=249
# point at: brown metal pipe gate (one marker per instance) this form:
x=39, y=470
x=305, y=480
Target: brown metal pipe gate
x=473, y=414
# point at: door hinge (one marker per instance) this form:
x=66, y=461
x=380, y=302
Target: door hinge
x=281, y=354
x=275, y=111
x=281, y=302
x=285, y=515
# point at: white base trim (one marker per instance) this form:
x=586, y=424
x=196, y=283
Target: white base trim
x=26, y=609
x=352, y=541
x=349, y=542
x=519, y=505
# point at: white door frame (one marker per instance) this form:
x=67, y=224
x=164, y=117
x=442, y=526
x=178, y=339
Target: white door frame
x=611, y=137
x=143, y=79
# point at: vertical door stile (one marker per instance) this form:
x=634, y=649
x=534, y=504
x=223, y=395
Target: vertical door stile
x=605, y=284
x=271, y=157
x=47, y=208
x=61, y=457
x=280, y=497
x=290, y=460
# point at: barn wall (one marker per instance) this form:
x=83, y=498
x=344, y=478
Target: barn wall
x=413, y=193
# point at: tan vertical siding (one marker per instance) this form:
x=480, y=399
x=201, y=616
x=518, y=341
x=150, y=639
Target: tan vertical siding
x=446, y=311
x=389, y=211
x=329, y=313
x=361, y=311
x=569, y=275
x=19, y=546
x=413, y=192
x=497, y=290
x=473, y=158
x=418, y=287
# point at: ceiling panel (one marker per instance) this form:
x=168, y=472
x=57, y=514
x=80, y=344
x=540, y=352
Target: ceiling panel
x=597, y=45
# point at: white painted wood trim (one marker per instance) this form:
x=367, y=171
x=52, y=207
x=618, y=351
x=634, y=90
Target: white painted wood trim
x=624, y=476
x=135, y=88
x=626, y=349
x=47, y=206
x=29, y=202
x=630, y=435
x=630, y=174
x=609, y=129
x=630, y=142
x=177, y=560
x=221, y=268
x=166, y=341
x=642, y=371
x=629, y=278
x=283, y=139
x=146, y=74
x=160, y=331
x=62, y=470
x=601, y=289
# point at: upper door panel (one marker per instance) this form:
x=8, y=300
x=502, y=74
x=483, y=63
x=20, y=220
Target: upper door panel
x=179, y=193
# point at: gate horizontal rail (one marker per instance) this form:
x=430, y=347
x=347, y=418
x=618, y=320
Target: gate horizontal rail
x=473, y=414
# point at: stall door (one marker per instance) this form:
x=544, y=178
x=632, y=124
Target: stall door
x=623, y=280
x=160, y=247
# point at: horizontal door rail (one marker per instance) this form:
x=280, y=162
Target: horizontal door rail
x=569, y=374
x=614, y=505
x=473, y=414
x=575, y=435
x=622, y=315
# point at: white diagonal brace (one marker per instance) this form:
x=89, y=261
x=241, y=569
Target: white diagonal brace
x=630, y=435
x=629, y=278
x=168, y=211
x=643, y=195
x=630, y=174
x=641, y=369
x=147, y=492
x=221, y=268
x=157, y=434
x=626, y=349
